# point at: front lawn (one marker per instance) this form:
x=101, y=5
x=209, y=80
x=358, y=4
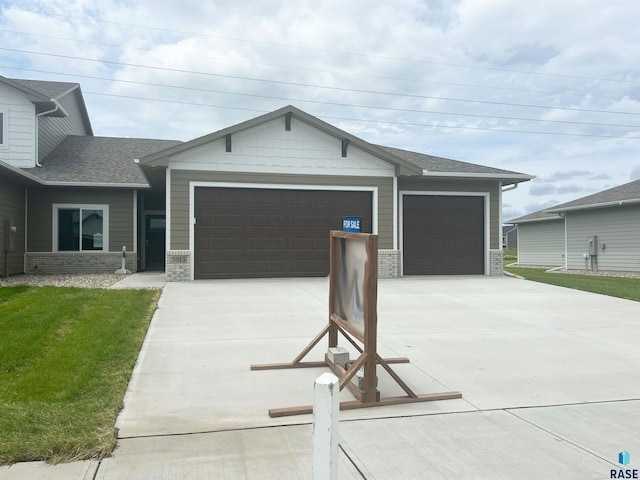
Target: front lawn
x=613, y=286
x=66, y=357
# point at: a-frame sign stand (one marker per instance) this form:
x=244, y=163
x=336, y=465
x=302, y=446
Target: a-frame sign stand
x=353, y=296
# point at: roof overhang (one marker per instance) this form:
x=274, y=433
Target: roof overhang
x=550, y=218
x=505, y=179
x=616, y=203
x=17, y=174
x=33, y=96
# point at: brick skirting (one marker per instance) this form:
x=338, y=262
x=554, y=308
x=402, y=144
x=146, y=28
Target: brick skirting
x=78, y=262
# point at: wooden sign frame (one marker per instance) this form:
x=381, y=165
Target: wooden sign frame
x=353, y=298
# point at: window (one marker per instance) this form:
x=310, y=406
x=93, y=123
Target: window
x=80, y=228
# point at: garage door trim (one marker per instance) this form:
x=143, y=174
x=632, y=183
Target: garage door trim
x=271, y=186
x=446, y=194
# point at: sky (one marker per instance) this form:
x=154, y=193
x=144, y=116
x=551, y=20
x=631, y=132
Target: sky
x=549, y=88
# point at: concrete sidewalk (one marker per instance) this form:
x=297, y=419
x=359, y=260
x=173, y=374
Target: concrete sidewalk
x=549, y=377
x=141, y=280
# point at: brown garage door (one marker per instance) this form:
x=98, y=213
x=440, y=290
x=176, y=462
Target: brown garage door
x=443, y=235
x=245, y=232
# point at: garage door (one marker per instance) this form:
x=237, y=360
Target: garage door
x=443, y=235
x=245, y=233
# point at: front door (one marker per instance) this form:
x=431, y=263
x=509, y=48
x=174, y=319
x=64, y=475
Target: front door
x=154, y=243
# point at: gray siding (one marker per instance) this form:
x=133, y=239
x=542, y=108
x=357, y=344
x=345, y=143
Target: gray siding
x=40, y=206
x=492, y=187
x=52, y=130
x=617, y=228
x=12, y=208
x=541, y=243
x=180, y=197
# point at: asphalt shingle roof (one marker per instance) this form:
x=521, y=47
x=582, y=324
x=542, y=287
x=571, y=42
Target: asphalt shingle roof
x=627, y=192
x=440, y=164
x=100, y=160
x=48, y=89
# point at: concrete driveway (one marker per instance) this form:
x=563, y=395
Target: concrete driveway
x=550, y=379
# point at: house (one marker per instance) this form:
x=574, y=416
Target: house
x=596, y=232
x=69, y=201
x=540, y=239
x=509, y=236
x=256, y=199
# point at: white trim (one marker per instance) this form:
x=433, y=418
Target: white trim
x=395, y=213
x=4, y=127
x=487, y=220
x=566, y=244
x=80, y=206
x=167, y=212
x=495, y=176
x=592, y=206
x=270, y=186
x=500, y=214
x=91, y=184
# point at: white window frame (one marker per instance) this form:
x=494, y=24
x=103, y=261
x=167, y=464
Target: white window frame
x=80, y=206
x=4, y=128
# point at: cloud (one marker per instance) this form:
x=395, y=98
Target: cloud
x=566, y=175
x=569, y=189
x=635, y=173
x=537, y=206
x=464, y=80
x=540, y=189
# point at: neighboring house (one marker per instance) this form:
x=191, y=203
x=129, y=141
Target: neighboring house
x=72, y=200
x=509, y=236
x=596, y=232
x=541, y=239
x=253, y=200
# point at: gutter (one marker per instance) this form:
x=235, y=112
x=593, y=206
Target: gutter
x=516, y=177
x=37, y=130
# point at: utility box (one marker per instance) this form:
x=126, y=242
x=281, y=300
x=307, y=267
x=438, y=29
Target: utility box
x=9, y=235
x=593, y=245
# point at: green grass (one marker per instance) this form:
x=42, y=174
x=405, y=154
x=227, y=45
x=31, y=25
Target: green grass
x=510, y=255
x=66, y=356
x=628, y=288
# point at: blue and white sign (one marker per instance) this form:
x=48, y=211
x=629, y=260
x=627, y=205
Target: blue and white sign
x=351, y=224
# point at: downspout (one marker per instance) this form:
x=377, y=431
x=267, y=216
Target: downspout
x=26, y=229
x=38, y=115
x=512, y=187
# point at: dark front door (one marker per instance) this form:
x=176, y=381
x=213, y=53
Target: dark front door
x=245, y=232
x=155, y=226
x=443, y=235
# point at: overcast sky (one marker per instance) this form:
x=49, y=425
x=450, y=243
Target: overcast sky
x=549, y=88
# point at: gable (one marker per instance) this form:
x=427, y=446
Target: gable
x=270, y=148
x=18, y=125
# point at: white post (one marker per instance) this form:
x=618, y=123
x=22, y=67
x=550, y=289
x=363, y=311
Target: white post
x=326, y=411
x=123, y=270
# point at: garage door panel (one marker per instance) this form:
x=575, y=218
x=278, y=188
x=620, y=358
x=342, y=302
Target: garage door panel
x=269, y=233
x=443, y=235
